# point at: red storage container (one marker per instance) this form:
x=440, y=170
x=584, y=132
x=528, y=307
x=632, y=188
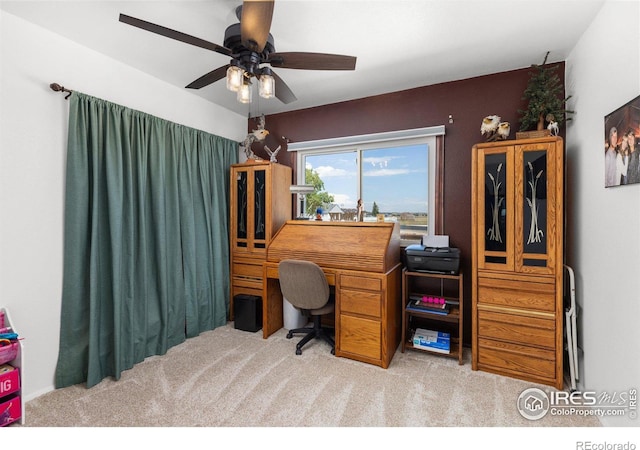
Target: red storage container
x=9, y=380
x=10, y=409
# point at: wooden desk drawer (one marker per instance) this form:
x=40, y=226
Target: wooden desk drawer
x=516, y=359
x=361, y=302
x=360, y=336
x=251, y=283
x=517, y=294
x=535, y=331
x=272, y=272
x=358, y=282
x=247, y=270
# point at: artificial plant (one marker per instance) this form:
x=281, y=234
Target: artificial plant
x=545, y=98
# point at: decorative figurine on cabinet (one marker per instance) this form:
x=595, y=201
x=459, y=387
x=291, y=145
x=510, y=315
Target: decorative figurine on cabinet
x=494, y=129
x=553, y=125
x=272, y=153
x=257, y=135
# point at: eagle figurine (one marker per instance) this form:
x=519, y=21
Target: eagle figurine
x=489, y=126
x=494, y=129
x=257, y=135
x=504, y=128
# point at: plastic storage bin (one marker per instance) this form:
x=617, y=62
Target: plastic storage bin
x=247, y=312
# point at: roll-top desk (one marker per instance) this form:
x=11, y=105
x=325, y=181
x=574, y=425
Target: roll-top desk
x=362, y=261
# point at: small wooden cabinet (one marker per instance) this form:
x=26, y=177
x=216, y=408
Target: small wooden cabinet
x=260, y=203
x=450, y=323
x=517, y=262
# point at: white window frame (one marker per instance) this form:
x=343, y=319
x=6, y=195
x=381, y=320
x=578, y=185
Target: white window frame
x=373, y=141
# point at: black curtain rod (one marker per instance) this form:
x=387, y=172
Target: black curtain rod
x=56, y=87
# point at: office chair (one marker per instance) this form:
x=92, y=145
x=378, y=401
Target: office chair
x=304, y=285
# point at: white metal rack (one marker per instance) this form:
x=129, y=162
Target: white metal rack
x=571, y=330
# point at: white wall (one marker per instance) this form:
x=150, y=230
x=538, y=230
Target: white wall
x=603, y=225
x=33, y=130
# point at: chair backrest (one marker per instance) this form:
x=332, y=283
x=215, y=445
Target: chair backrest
x=303, y=284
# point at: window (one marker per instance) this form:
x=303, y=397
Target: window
x=393, y=175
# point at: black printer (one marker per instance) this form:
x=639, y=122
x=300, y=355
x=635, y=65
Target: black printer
x=420, y=258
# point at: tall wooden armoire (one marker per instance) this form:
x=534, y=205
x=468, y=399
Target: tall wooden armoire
x=517, y=272
x=260, y=203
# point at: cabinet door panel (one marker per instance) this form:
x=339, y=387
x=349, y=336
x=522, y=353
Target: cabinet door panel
x=241, y=196
x=259, y=205
x=535, y=218
x=360, y=336
x=495, y=208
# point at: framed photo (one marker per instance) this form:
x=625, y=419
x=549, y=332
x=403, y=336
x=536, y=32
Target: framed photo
x=621, y=151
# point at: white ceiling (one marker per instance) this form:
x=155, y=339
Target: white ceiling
x=400, y=44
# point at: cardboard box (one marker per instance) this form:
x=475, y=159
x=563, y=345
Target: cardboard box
x=10, y=410
x=432, y=340
x=9, y=380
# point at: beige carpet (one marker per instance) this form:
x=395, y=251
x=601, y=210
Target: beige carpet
x=232, y=378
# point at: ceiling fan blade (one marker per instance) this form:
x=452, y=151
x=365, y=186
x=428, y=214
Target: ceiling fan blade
x=211, y=77
x=256, y=23
x=173, y=34
x=312, y=61
x=283, y=93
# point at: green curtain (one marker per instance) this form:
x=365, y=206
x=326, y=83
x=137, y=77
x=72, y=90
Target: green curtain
x=146, y=247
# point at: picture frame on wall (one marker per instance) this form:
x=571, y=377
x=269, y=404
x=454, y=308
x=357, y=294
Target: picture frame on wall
x=621, y=145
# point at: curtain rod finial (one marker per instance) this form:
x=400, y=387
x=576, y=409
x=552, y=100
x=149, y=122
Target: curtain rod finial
x=56, y=87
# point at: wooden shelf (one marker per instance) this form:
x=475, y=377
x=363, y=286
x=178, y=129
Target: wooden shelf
x=451, y=322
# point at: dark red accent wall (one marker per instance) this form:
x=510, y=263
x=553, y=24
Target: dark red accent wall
x=467, y=101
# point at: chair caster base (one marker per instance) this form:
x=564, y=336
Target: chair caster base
x=298, y=351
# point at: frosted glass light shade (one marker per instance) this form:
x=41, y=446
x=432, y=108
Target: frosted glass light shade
x=267, y=86
x=244, y=93
x=234, y=78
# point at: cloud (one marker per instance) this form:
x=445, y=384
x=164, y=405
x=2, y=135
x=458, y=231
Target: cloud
x=385, y=172
x=329, y=171
x=343, y=200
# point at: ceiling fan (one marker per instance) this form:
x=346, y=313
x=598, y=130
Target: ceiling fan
x=251, y=47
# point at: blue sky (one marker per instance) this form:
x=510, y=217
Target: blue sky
x=395, y=178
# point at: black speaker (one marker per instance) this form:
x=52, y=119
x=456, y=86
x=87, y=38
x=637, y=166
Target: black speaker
x=247, y=312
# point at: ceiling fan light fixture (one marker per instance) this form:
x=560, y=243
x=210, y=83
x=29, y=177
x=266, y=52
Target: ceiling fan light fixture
x=244, y=93
x=267, y=84
x=235, y=76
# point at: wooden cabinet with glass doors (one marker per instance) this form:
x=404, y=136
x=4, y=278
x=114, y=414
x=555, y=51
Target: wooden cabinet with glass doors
x=260, y=203
x=517, y=272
